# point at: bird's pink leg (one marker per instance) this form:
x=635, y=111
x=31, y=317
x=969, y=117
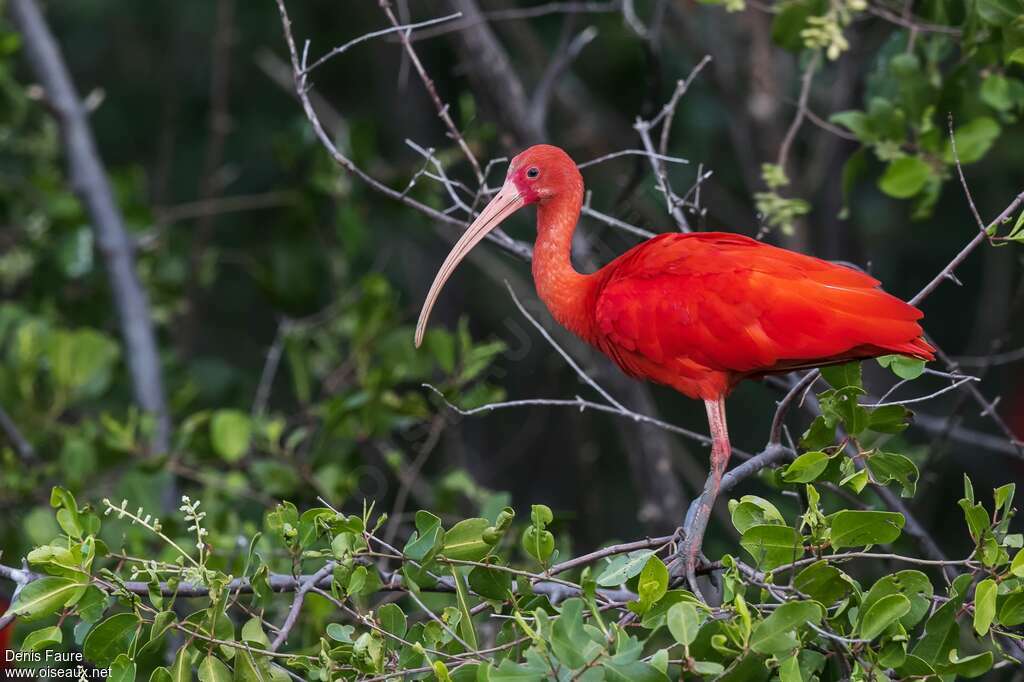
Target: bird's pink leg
x=698, y=522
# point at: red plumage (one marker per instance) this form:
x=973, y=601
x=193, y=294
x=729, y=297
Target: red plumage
x=700, y=312
x=697, y=312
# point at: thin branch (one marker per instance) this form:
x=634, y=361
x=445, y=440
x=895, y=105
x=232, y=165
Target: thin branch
x=572, y=363
x=581, y=405
x=428, y=83
x=801, y=111
x=404, y=28
x=967, y=250
x=631, y=152
x=990, y=360
x=270, y=365
x=664, y=117
x=302, y=91
x=960, y=173
x=90, y=183
x=798, y=390
x=947, y=389
x=556, y=67
x=300, y=595
x=21, y=446
x=522, y=13
x=668, y=112
x=220, y=205
x=914, y=25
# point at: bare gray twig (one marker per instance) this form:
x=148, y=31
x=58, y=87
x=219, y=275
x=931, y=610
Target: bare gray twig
x=13, y=434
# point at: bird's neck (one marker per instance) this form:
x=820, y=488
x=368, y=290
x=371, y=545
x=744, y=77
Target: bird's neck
x=568, y=294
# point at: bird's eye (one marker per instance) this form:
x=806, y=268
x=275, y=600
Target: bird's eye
x=533, y=172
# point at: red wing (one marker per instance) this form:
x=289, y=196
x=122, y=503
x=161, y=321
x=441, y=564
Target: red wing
x=727, y=303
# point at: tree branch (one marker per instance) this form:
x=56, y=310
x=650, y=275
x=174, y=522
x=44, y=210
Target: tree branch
x=21, y=446
x=89, y=181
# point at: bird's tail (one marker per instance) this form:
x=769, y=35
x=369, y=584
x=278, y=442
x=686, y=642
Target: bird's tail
x=918, y=348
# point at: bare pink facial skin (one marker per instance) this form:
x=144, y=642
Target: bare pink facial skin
x=524, y=185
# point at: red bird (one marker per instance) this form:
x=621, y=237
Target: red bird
x=698, y=312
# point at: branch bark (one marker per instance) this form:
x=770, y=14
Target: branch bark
x=89, y=181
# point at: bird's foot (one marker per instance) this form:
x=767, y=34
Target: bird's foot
x=688, y=559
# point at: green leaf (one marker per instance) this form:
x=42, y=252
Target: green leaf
x=212, y=669
x=541, y=515
x=789, y=670
x=252, y=631
x=1011, y=613
x=914, y=585
x=1003, y=496
x=635, y=671
x=855, y=528
x=247, y=668
x=889, y=419
x=843, y=376
x=998, y=12
x=977, y=518
x=392, y=619
x=886, y=467
x=110, y=638
x=882, y=614
x=984, y=605
x=466, y=627
x=969, y=666
x=491, y=583
x=902, y=366
x=1017, y=566
x=973, y=140
x=771, y=545
x=774, y=635
x=995, y=92
x=856, y=479
x=752, y=510
x=67, y=515
x=823, y=582
x=905, y=177
x=806, y=468
x=464, y=541
x=684, y=622
x=44, y=596
x=426, y=541
x=623, y=567
x=821, y=433
x=81, y=362
x=230, y=433
x=568, y=639
x=122, y=669
x=539, y=544
x=854, y=121
x=340, y=633
x=43, y=638
x=181, y=671
x=652, y=585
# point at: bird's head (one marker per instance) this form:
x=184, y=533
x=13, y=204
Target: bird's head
x=541, y=172
x=534, y=176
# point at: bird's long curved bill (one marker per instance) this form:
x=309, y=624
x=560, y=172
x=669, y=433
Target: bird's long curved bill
x=505, y=203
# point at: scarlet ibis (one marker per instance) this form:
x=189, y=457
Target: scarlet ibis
x=698, y=312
